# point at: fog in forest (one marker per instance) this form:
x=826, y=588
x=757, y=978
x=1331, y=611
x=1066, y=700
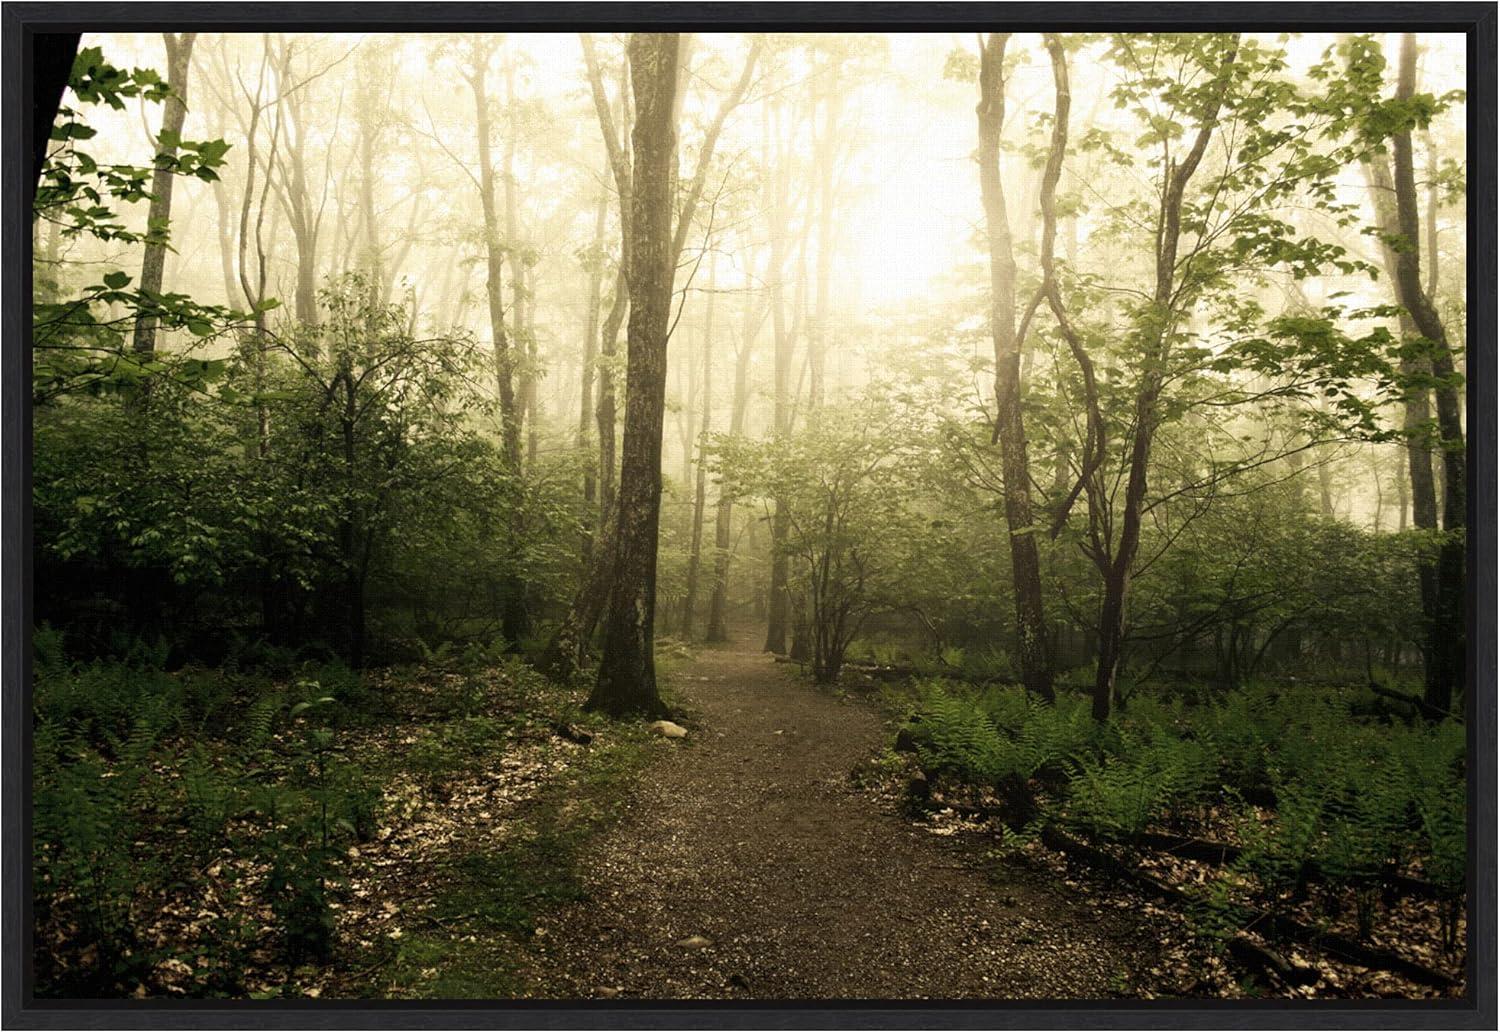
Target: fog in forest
x=1101, y=393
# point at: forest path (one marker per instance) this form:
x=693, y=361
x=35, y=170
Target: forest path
x=751, y=835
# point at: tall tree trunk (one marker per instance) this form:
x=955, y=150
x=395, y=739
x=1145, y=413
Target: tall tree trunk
x=803, y=645
x=1416, y=371
x=1155, y=341
x=687, y=383
x=1403, y=500
x=1325, y=485
x=296, y=198
x=232, y=294
x=1026, y=577
x=718, y=602
x=627, y=669
x=523, y=340
x=777, y=603
x=817, y=343
x=1448, y=632
x=570, y=642
x=616, y=148
x=1379, y=491
x=595, y=268
x=159, y=216
x=513, y=618
x=371, y=258
x=254, y=288
x=700, y=489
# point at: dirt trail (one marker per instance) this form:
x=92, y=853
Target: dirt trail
x=751, y=835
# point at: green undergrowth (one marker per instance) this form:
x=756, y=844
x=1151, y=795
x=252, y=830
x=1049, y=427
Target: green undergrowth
x=1321, y=797
x=197, y=832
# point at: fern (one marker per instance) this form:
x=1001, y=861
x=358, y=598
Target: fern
x=255, y=729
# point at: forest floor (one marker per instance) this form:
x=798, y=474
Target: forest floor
x=749, y=864
x=524, y=848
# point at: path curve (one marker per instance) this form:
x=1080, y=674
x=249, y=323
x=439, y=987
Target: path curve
x=751, y=835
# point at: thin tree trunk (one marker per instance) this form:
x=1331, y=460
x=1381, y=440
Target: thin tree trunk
x=1116, y=569
x=606, y=413
x=1325, y=486
x=296, y=198
x=718, y=630
x=817, y=344
x=1403, y=502
x=372, y=260
x=1416, y=405
x=1026, y=578
x=570, y=642
x=159, y=216
x=513, y=618
x=777, y=603
x=523, y=340
x=1446, y=671
x=688, y=409
x=232, y=293
x=586, y=371
x=616, y=148
x=1379, y=491
x=700, y=490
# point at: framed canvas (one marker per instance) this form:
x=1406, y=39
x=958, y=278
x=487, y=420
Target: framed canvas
x=749, y=515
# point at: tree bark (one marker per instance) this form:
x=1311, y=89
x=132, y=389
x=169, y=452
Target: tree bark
x=513, y=618
x=1416, y=403
x=570, y=642
x=615, y=146
x=627, y=670
x=522, y=337
x=718, y=602
x=700, y=489
x=587, y=368
x=817, y=343
x=1447, y=643
x=1116, y=568
x=304, y=217
x=1026, y=578
x=366, y=108
x=777, y=603
x=159, y=216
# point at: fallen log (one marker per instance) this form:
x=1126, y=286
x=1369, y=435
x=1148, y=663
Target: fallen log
x=897, y=672
x=1253, y=955
x=1424, y=708
x=1193, y=849
x=1190, y=848
x=1277, y=926
x=1352, y=951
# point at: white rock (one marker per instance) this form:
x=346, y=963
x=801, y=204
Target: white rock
x=696, y=941
x=669, y=729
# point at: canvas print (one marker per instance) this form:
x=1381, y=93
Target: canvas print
x=720, y=516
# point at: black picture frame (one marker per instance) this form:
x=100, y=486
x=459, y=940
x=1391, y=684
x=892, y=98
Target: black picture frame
x=24, y=21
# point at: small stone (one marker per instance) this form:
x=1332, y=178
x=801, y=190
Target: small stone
x=669, y=729
x=696, y=941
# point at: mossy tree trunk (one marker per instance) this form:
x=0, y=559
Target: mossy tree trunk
x=627, y=670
